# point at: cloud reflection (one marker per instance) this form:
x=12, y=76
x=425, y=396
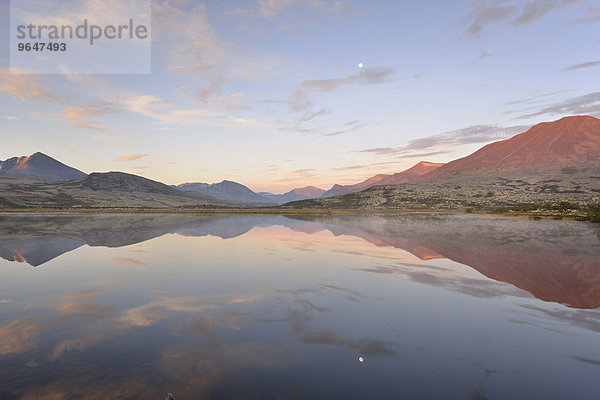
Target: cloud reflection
x=18, y=336
x=232, y=322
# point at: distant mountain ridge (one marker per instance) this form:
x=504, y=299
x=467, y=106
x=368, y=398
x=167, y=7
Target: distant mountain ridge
x=101, y=190
x=552, y=160
x=226, y=191
x=308, y=192
x=407, y=176
x=41, y=166
x=238, y=193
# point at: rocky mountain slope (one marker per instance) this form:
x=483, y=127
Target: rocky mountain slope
x=41, y=166
x=106, y=190
x=569, y=143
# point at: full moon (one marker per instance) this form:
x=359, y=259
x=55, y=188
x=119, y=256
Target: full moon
x=360, y=65
x=360, y=359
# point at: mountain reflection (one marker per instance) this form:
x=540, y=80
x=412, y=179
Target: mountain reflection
x=268, y=306
x=555, y=261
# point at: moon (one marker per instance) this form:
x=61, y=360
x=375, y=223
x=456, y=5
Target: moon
x=360, y=359
x=361, y=65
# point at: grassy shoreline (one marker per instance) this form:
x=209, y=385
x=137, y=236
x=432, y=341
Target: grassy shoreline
x=216, y=211
x=530, y=214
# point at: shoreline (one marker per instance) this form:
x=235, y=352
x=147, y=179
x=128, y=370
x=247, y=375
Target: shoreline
x=218, y=211
x=300, y=211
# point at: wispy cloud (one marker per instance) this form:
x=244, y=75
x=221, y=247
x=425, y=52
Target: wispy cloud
x=212, y=95
x=310, y=115
x=583, y=65
x=165, y=112
x=400, y=152
x=439, y=144
x=337, y=6
x=186, y=39
x=187, y=43
x=269, y=8
x=299, y=102
x=298, y=175
x=131, y=157
x=591, y=16
x=588, y=104
x=87, y=116
x=538, y=9
x=207, y=93
x=366, y=76
x=537, y=98
x=508, y=13
x=303, y=172
x=30, y=88
x=486, y=13
x=424, y=155
x=350, y=167
x=24, y=86
x=352, y=126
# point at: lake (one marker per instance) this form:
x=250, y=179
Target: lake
x=298, y=307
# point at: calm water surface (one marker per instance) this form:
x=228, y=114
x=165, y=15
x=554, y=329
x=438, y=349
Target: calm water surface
x=243, y=307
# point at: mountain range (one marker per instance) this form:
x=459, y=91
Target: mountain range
x=552, y=161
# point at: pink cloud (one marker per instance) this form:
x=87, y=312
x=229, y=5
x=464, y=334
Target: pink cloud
x=131, y=157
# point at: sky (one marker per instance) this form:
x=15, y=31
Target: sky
x=278, y=94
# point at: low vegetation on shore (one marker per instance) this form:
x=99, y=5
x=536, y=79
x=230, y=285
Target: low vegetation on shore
x=561, y=210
